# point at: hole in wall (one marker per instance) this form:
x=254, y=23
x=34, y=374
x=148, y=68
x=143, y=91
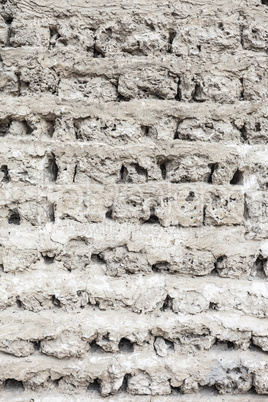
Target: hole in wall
x=243, y=131
x=126, y=174
x=156, y=269
x=163, y=169
x=258, y=267
x=56, y=382
x=109, y=213
x=8, y=18
x=238, y=178
x=220, y=263
x=190, y=197
x=153, y=217
x=171, y=37
x=97, y=53
x=178, y=94
x=170, y=345
x=56, y=302
x=95, y=386
x=51, y=212
x=50, y=127
x=55, y=37
x=23, y=85
x=213, y=306
x=204, y=215
x=197, y=93
x=95, y=348
x=176, y=134
x=97, y=258
x=141, y=171
x=161, y=266
x=145, y=130
x=48, y=260
x=27, y=128
x=14, y=218
x=5, y=171
x=106, y=337
x=264, y=2
x=123, y=174
x=175, y=390
x=125, y=346
x=77, y=129
x=213, y=167
x=37, y=345
x=167, y=305
x=124, y=386
x=230, y=345
x=4, y=127
x=18, y=302
x=14, y=385
x=258, y=127
x=242, y=89
x=52, y=168
x=75, y=173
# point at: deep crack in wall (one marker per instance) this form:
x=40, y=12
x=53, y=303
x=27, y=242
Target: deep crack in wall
x=134, y=200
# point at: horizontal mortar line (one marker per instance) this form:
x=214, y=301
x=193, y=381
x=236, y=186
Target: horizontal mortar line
x=161, y=103
x=135, y=360
x=147, y=188
x=94, y=230
x=166, y=281
x=101, y=320
x=157, y=144
x=125, y=7
x=172, y=148
x=52, y=104
x=12, y=276
x=105, y=354
x=128, y=309
x=94, y=396
x=10, y=53
x=174, y=228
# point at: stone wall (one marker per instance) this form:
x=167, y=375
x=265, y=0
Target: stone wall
x=134, y=203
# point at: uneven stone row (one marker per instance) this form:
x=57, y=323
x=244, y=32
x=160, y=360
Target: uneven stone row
x=121, y=249
x=103, y=35
x=176, y=162
x=166, y=204
x=58, y=73
x=230, y=372
x=105, y=332
x=51, y=289
x=117, y=132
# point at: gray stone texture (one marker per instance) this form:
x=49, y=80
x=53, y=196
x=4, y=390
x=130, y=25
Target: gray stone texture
x=133, y=200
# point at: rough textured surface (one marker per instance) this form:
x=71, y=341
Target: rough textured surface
x=133, y=200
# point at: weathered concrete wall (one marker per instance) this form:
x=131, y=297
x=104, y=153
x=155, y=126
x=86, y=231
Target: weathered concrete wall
x=134, y=203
